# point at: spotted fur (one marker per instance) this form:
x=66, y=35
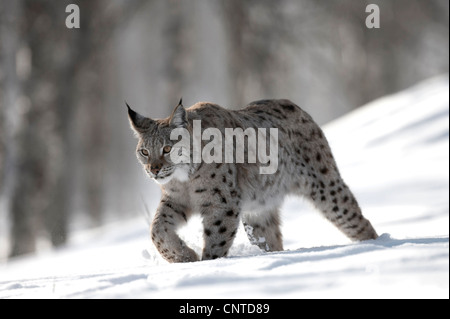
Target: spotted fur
x=226, y=193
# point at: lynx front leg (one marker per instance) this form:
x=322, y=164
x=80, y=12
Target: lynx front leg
x=220, y=228
x=168, y=218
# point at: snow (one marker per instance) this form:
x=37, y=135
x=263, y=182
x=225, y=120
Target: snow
x=393, y=153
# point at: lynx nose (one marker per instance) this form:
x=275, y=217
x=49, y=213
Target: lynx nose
x=155, y=168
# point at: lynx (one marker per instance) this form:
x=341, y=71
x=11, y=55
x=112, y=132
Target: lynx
x=224, y=193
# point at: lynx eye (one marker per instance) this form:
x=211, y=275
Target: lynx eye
x=144, y=152
x=167, y=149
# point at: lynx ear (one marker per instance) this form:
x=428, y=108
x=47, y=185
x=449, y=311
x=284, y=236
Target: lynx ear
x=179, y=116
x=138, y=123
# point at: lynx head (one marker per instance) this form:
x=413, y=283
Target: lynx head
x=155, y=147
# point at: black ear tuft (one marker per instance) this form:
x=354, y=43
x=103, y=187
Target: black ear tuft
x=132, y=114
x=138, y=123
x=179, y=116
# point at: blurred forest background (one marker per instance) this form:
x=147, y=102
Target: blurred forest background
x=66, y=152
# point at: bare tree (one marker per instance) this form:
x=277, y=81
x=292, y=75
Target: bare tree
x=255, y=33
x=322, y=54
x=100, y=21
x=13, y=106
x=37, y=197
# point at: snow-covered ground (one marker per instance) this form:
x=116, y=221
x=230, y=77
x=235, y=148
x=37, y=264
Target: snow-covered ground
x=393, y=153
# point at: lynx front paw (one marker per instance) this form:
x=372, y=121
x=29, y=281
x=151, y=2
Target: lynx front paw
x=187, y=255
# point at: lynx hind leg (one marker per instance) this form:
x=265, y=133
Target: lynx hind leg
x=263, y=230
x=337, y=203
